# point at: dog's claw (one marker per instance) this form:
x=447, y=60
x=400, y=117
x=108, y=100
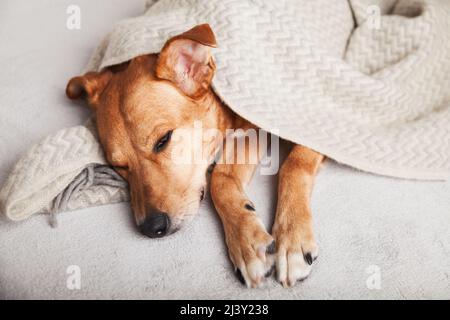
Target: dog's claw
x=250, y=206
x=240, y=277
x=271, y=248
x=270, y=271
x=292, y=265
x=308, y=258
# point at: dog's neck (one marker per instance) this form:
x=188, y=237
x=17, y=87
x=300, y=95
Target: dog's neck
x=219, y=115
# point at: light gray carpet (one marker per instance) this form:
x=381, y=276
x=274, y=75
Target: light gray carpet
x=368, y=227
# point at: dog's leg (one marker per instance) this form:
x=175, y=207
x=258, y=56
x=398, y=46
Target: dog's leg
x=295, y=246
x=245, y=235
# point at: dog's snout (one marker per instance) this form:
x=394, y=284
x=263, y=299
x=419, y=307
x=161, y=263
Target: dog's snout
x=156, y=225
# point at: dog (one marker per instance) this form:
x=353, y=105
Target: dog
x=141, y=108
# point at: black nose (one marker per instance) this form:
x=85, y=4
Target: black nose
x=156, y=225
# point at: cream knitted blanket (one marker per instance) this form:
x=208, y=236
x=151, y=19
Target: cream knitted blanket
x=369, y=91
x=375, y=97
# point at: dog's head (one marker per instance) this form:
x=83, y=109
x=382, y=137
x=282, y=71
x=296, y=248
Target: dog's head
x=142, y=108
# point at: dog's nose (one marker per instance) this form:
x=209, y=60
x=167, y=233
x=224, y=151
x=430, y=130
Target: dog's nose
x=156, y=225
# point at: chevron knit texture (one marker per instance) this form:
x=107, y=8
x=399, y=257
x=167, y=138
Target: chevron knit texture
x=49, y=168
x=370, y=93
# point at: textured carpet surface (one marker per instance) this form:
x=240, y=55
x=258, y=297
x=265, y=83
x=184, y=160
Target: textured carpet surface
x=369, y=228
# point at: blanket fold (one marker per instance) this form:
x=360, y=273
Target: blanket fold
x=366, y=83
x=44, y=180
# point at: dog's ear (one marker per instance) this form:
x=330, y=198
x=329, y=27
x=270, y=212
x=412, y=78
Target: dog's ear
x=186, y=61
x=89, y=87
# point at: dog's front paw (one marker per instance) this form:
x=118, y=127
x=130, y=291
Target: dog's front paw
x=250, y=248
x=295, y=253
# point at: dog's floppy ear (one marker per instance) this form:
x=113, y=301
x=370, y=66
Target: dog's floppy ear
x=186, y=61
x=89, y=87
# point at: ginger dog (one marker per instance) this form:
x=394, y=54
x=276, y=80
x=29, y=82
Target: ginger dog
x=142, y=105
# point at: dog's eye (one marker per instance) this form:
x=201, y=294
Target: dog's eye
x=159, y=146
